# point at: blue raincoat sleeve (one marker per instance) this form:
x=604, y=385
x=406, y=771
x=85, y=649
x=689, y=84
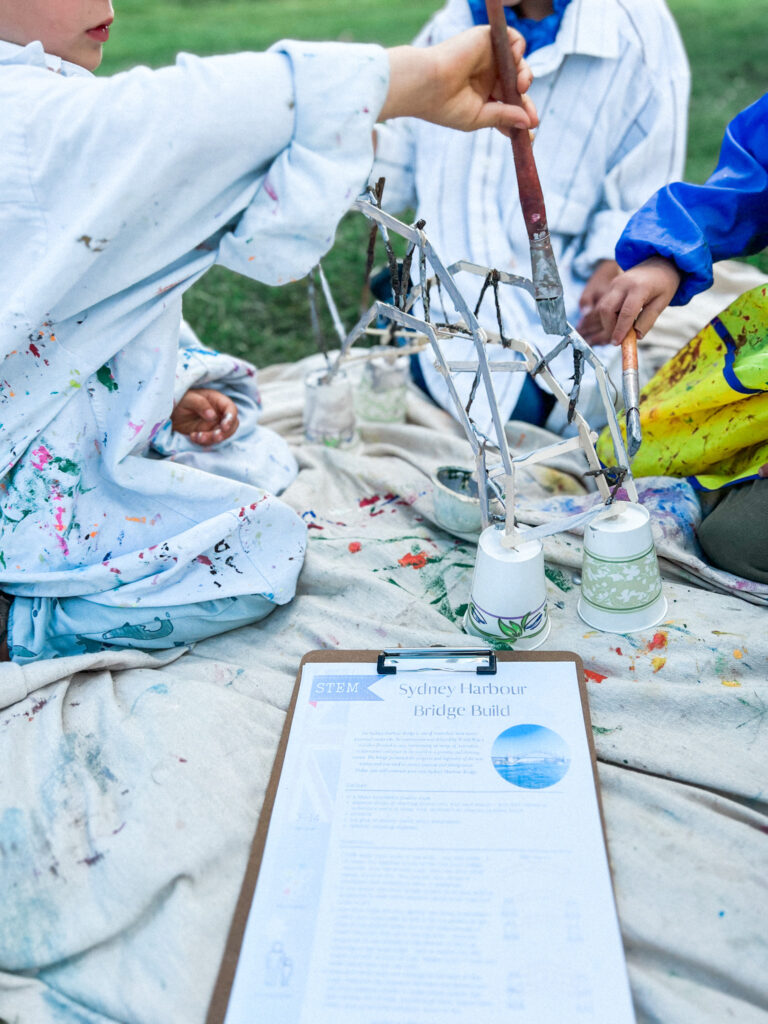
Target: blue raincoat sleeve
x=695, y=225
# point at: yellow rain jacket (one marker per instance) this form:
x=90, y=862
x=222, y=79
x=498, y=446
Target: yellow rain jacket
x=705, y=414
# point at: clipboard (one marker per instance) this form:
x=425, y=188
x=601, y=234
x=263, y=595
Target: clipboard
x=481, y=662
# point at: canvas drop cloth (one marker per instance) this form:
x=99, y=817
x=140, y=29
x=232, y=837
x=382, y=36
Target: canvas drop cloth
x=131, y=783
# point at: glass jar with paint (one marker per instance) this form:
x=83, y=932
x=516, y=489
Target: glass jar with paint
x=381, y=395
x=329, y=416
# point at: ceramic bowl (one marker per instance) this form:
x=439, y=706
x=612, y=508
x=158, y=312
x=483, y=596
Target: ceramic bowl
x=457, y=502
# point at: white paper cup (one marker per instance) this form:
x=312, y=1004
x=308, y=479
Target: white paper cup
x=620, y=580
x=329, y=416
x=509, y=593
x=381, y=395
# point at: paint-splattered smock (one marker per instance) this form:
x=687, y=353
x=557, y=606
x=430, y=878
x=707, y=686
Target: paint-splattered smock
x=612, y=96
x=116, y=194
x=705, y=414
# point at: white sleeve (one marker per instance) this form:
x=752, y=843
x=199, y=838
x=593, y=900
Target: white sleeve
x=649, y=151
x=151, y=169
x=395, y=161
x=291, y=220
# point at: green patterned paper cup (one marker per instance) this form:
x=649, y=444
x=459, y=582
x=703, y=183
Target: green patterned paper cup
x=509, y=593
x=620, y=580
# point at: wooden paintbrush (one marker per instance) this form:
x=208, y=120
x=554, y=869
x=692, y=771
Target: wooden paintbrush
x=548, y=289
x=631, y=390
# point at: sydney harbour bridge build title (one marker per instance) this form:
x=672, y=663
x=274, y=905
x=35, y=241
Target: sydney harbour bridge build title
x=430, y=700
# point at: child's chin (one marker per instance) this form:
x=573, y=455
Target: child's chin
x=88, y=57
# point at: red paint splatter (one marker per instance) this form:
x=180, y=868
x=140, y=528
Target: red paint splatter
x=417, y=561
x=595, y=677
x=618, y=651
x=204, y=559
x=658, y=643
x=270, y=190
x=365, y=502
x=35, y=708
x=314, y=526
x=90, y=861
x=34, y=350
x=355, y=546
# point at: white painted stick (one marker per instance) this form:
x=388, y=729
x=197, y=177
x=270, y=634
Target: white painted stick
x=510, y=538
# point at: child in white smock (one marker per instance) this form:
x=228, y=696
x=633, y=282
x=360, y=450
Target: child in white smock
x=118, y=193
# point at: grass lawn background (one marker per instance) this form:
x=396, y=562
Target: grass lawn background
x=724, y=40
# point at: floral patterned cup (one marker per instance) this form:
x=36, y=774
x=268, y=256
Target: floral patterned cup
x=620, y=581
x=509, y=592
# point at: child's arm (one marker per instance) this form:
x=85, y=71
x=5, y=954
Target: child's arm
x=455, y=84
x=672, y=241
x=143, y=177
x=645, y=136
x=394, y=141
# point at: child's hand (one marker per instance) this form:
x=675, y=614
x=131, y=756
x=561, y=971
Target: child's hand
x=590, y=326
x=455, y=84
x=638, y=297
x=205, y=416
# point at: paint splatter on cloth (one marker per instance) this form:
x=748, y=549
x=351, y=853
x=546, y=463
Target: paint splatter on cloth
x=126, y=843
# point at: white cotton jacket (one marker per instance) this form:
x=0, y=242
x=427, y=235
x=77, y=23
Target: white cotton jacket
x=116, y=194
x=612, y=95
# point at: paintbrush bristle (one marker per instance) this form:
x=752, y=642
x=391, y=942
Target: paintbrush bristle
x=634, y=433
x=552, y=315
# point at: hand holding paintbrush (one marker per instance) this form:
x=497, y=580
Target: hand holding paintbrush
x=548, y=289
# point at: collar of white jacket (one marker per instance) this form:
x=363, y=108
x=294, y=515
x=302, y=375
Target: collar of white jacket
x=34, y=54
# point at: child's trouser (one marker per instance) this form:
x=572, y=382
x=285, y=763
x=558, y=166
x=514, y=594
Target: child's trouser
x=49, y=627
x=734, y=536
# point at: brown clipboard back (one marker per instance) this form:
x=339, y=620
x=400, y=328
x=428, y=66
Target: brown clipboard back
x=219, y=1001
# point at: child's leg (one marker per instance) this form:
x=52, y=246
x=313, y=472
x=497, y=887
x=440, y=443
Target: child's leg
x=47, y=627
x=734, y=535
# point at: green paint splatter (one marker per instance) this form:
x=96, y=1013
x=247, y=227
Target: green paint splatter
x=599, y=730
x=559, y=578
x=104, y=376
x=66, y=465
x=2, y=559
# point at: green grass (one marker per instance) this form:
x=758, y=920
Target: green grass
x=724, y=40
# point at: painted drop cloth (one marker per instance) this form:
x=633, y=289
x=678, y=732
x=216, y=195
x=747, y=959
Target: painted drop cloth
x=131, y=783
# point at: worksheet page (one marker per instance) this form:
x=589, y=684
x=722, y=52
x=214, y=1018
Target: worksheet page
x=434, y=856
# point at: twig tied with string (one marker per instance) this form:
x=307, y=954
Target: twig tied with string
x=578, y=372
x=376, y=194
x=492, y=280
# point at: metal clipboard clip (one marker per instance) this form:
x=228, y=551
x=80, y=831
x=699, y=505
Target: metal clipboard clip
x=450, y=656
